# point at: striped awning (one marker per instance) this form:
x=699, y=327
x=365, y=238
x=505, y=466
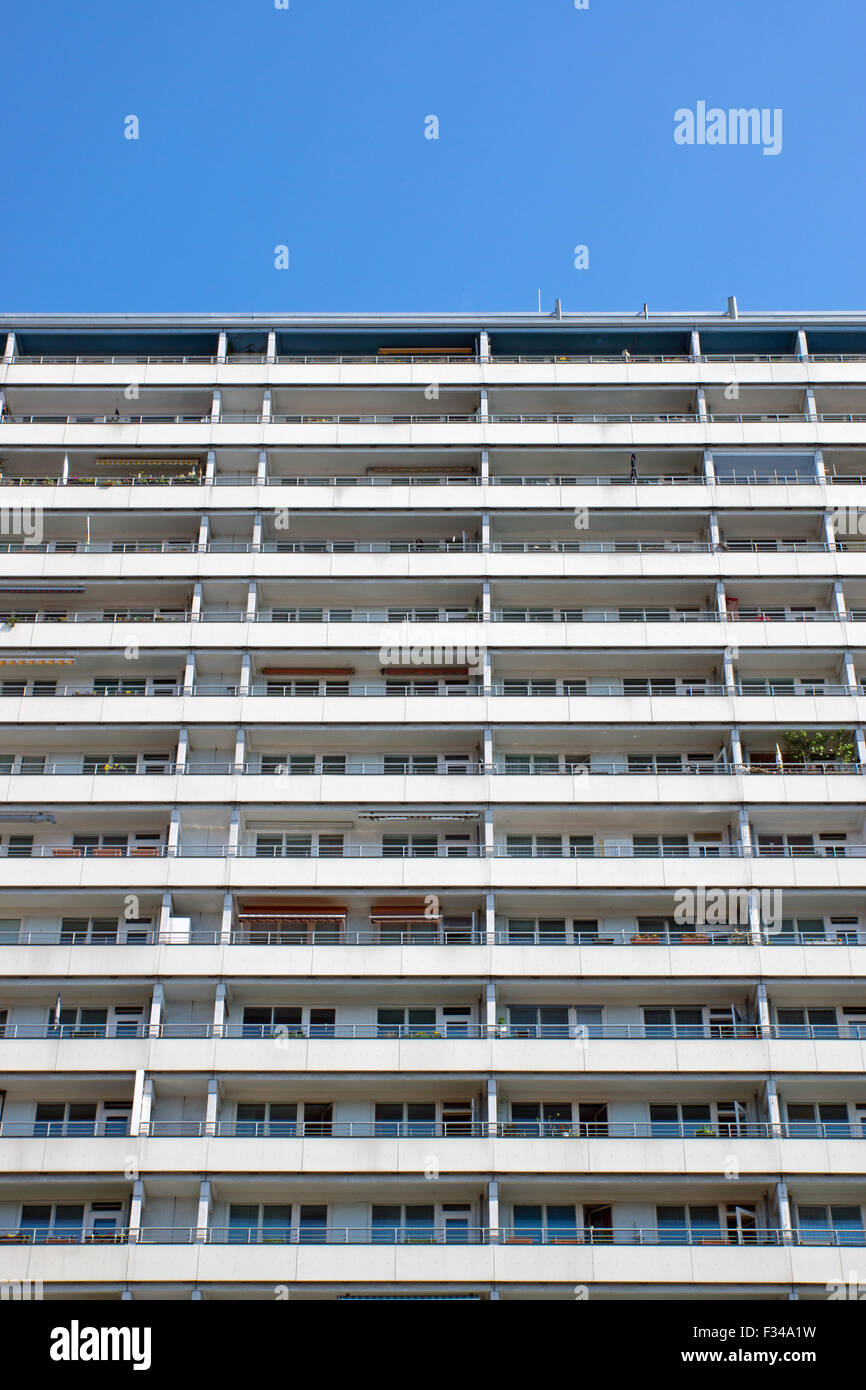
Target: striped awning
x=277, y=911
x=37, y=661
x=33, y=589
x=130, y=463
x=413, y=910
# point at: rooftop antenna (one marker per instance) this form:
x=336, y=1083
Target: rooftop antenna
x=645, y=311
x=539, y=301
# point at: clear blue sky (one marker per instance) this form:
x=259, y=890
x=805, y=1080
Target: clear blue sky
x=305, y=127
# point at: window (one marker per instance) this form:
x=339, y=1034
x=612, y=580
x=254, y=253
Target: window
x=553, y=1225
x=79, y=1023
x=255, y=1224
x=544, y=1118
x=65, y=1119
x=412, y=1224
x=407, y=1118
x=50, y=1224
x=545, y=1021
x=807, y=1023
x=408, y=1023
x=410, y=846
x=833, y=1225
x=692, y=1225
x=674, y=1120
x=673, y=1023
x=821, y=1120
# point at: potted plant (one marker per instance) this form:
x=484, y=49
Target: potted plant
x=647, y=939
x=694, y=939
x=813, y=747
x=740, y=938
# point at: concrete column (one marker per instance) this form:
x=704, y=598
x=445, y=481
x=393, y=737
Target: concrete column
x=485, y=466
x=189, y=673
x=754, y=918
x=213, y=1095
x=210, y=467
x=272, y=346
x=147, y=1103
x=267, y=405
x=246, y=673
x=774, y=1113
x=226, y=920
x=10, y=348
x=485, y=531
x=811, y=407
x=262, y=468
x=64, y=472
x=205, y=1202
x=204, y=533
x=487, y=754
x=492, y=1104
x=709, y=470
x=157, y=1009
x=240, y=749
x=490, y=1010
x=195, y=607
x=849, y=671
x=219, y=1009
x=165, y=912
x=736, y=749
x=137, y=1096
x=860, y=746
x=216, y=405
x=483, y=411
x=714, y=533
x=820, y=470
x=701, y=403
x=784, y=1205
x=729, y=674
x=695, y=343
x=222, y=346
x=234, y=831
x=764, y=1021
x=252, y=596
x=182, y=750
x=488, y=833
x=829, y=531
x=744, y=830
x=174, y=831
x=490, y=918
x=485, y=601
x=839, y=607
x=483, y=345
x=802, y=345
x=258, y=527
x=721, y=605
x=493, y=1210
x=486, y=672
x=135, y=1205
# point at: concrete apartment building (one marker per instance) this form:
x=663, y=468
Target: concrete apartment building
x=432, y=853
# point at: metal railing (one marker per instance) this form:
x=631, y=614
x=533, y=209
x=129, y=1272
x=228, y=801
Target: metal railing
x=282, y=1034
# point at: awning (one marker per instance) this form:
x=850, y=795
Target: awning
x=31, y=589
x=277, y=913
x=425, y=352
x=433, y=468
x=37, y=661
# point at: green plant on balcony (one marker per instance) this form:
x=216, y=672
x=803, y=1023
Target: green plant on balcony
x=705, y=1132
x=812, y=746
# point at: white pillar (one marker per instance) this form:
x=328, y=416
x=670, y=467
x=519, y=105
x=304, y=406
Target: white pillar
x=820, y=470
x=714, y=533
x=488, y=833
x=9, y=350
x=829, y=531
x=754, y=917
x=222, y=346
x=258, y=527
x=485, y=601
x=839, y=600
x=764, y=1021
x=146, y=1103
x=216, y=405
x=267, y=405
x=204, y=1209
x=64, y=472
x=483, y=345
x=135, y=1118
x=701, y=402
x=811, y=407
x=272, y=346
x=174, y=831
x=195, y=608
x=246, y=670
x=204, y=533
x=487, y=754
x=210, y=467
x=485, y=531
x=213, y=1092
x=166, y=908
x=744, y=830
x=483, y=410
x=262, y=468
x=226, y=919
x=486, y=672
x=492, y=1105
x=219, y=1009
x=157, y=1008
x=252, y=593
x=774, y=1113
x=182, y=755
x=784, y=1205
x=135, y=1205
x=802, y=344
x=485, y=466
x=849, y=671
x=736, y=749
x=234, y=831
x=860, y=745
x=490, y=918
x=493, y=1210
x=729, y=674
x=490, y=1009
x=721, y=604
x=709, y=470
x=189, y=674
x=240, y=749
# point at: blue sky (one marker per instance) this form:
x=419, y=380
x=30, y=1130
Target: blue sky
x=305, y=127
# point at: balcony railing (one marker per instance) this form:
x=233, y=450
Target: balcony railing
x=441, y=851
x=282, y=1034
x=436, y=1235
x=398, y=687
x=454, y=1129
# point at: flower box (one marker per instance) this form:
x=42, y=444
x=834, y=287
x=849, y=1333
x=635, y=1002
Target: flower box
x=645, y=940
x=694, y=939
